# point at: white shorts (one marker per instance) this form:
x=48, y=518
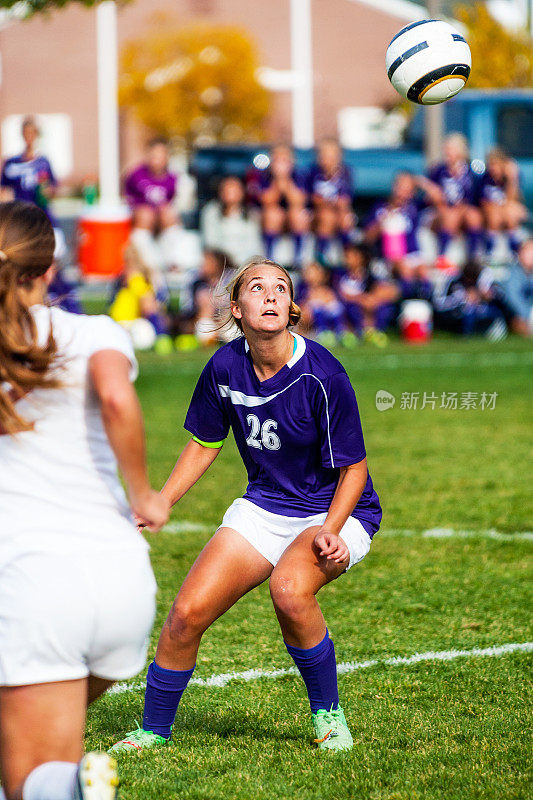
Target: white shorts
x=271, y=534
x=63, y=617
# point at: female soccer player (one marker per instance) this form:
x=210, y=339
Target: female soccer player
x=76, y=587
x=309, y=511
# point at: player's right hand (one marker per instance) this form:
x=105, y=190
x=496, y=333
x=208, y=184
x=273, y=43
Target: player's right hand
x=151, y=510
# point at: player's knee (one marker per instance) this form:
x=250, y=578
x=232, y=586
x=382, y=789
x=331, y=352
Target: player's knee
x=144, y=217
x=186, y=620
x=273, y=219
x=288, y=598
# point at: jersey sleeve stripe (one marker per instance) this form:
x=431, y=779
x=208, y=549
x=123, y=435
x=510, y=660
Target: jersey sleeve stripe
x=213, y=445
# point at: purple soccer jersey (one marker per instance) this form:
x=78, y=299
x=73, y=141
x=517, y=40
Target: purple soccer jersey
x=330, y=187
x=293, y=431
x=410, y=215
x=457, y=188
x=261, y=180
x=492, y=191
x=24, y=178
x=144, y=188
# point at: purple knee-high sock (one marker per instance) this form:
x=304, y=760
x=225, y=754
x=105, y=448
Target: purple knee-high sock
x=269, y=240
x=514, y=240
x=474, y=240
x=297, y=239
x=318, y=669
x=490, y=241
x=322, y=244
x=444, y=239
x=164, y=688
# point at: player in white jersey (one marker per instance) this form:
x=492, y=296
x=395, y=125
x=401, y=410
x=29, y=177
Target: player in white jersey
x=76, y=586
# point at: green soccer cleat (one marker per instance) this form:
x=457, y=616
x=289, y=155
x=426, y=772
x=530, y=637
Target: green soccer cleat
x=97, y=777
x=138, y=740
x=332, y=732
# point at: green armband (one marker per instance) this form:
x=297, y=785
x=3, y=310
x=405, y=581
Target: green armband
x=213, y=445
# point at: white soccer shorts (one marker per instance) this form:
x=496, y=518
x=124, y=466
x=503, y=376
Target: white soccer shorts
x=271, y=534
x=63, y=617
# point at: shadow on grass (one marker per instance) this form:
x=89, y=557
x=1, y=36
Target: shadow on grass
x=109, y=725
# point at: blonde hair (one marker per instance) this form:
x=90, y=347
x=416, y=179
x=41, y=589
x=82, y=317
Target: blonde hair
x=460, y=142
x=234, y=286
x=26, y=252
x=134, y=260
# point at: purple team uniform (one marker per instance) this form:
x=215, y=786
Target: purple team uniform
x=143, y=188
x=348, y=286
x=293, y=431
x=259, y=180
x=457, y=189
x=24, y=178
x=410, y=214
x=330, y=188
x=492, y=191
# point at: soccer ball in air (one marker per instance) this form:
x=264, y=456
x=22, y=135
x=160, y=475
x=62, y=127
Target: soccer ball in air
x=428, y=61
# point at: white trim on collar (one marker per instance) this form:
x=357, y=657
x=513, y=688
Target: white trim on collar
x=298, y=353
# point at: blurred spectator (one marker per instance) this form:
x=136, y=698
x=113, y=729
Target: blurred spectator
x=209, y=300
x=227, y=225
x=451, y=189
x=62, y=292
x=518, y=289
x=141, y=293
x=499, y=198
x=280, y=192
x=393, y=225
x=29, y=177
x=369, y=303
x=150, y=191
x=472, y=303
x=322, y=312
x=331, y=190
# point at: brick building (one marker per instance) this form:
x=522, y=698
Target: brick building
x=48, y=66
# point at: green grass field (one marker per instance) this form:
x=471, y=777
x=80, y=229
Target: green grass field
x=454, y=729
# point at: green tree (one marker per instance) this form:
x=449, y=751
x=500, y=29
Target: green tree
x=32, y=6
x=500, y=58
x=196, y=85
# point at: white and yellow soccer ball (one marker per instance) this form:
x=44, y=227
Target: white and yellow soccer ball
x=428, y=61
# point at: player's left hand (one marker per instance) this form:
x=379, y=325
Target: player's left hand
x=332, y=546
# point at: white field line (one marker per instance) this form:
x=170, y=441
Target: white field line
x=389, y=361
x=427, y=361
x=222, y=680
x=430, y=533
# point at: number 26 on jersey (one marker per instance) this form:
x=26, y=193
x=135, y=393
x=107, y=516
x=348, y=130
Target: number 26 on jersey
x=262, y=435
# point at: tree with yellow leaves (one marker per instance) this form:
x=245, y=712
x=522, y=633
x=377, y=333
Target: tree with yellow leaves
x=500, y=58
x=196, y=85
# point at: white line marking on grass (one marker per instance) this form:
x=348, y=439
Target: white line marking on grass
x=187, y=527
x=429, y=360
x=221, y=680
x=451, y=533
x=431, y=533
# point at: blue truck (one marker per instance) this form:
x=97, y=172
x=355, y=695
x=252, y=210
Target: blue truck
x=486, y=117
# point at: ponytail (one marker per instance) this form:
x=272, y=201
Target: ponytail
x=26, y=252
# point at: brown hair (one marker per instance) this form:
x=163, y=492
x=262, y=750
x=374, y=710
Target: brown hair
x=26, y=252
x=234, y=286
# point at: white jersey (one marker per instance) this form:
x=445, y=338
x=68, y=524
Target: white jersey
x=59, y=488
